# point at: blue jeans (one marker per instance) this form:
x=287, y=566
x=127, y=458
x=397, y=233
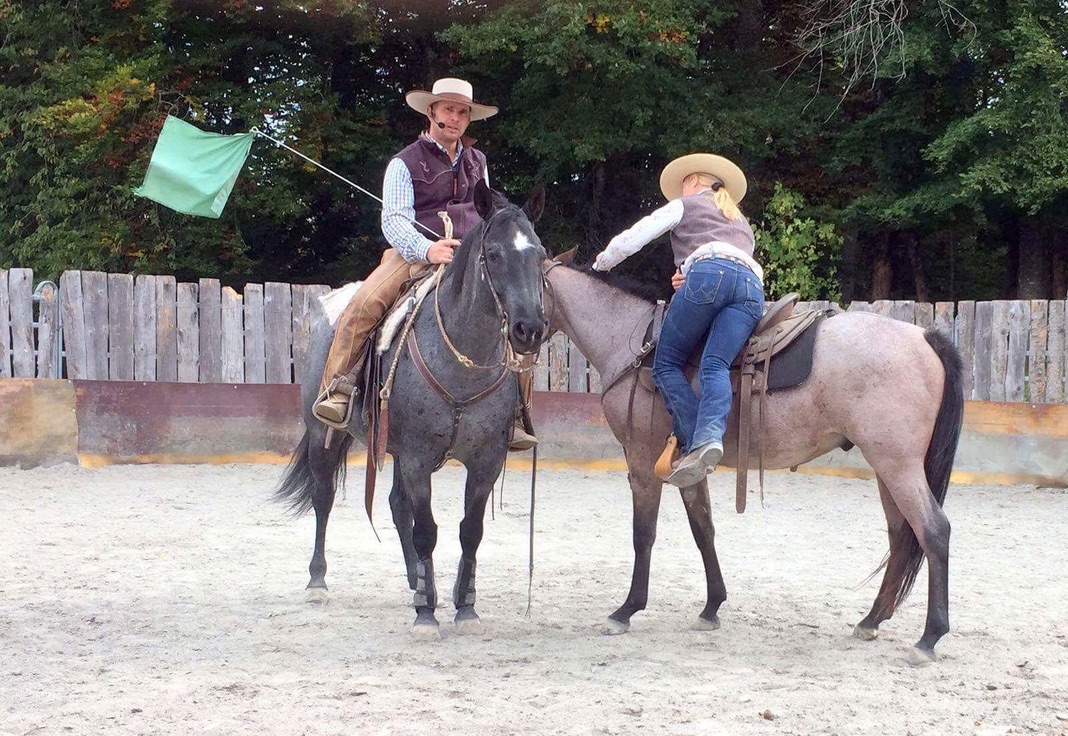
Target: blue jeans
x=716, y=310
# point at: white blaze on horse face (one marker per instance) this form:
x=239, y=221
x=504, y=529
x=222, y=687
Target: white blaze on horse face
x=522, y=242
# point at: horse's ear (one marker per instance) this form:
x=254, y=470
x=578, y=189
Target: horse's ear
x=535, y=202
x=484, y=201
x=567, y=257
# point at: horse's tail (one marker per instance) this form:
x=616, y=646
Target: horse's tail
x=938, y=463
x=298, y=486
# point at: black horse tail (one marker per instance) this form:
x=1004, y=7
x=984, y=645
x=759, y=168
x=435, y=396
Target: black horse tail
x=938, y=463
x=298, y=487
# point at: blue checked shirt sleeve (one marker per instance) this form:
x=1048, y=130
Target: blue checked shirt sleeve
x=398, y=211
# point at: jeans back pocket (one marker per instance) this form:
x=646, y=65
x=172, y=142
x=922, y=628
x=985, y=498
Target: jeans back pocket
x=702, y=287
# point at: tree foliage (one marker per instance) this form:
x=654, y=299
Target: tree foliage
x=890, y=147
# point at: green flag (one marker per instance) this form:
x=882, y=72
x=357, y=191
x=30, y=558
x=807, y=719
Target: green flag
x=192, y=171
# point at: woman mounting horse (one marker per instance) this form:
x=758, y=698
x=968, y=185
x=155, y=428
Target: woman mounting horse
x=721, y=299
x=889, y=388
x=453, y=396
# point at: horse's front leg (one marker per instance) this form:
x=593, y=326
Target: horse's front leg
x=401, y=506
x=415, y=479
x=645, y=491
x=480, y=479
x=699, y=511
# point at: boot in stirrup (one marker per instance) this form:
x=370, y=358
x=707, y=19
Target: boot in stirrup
x=333, y=407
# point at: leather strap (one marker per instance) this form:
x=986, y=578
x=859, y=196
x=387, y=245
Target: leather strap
x=745, y=392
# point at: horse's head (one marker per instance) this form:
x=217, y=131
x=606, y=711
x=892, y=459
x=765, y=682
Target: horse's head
x=512, y=256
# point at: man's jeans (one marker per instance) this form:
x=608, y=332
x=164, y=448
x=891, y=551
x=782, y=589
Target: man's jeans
x=716, y=309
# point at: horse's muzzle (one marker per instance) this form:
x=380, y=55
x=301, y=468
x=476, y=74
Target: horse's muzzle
x=528, y=334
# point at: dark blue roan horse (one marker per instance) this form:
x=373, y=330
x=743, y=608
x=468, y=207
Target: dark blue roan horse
x=488, y=305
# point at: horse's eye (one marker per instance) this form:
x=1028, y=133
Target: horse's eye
x=494, y=254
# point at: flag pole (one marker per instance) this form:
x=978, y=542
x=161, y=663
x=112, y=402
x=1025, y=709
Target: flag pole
x=352, y=184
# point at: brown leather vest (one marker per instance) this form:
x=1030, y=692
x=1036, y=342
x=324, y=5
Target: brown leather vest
x=438, y=186
x=701, y=223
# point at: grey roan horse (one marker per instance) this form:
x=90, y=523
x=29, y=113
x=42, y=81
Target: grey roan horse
x=888, y=387
x=492, y=286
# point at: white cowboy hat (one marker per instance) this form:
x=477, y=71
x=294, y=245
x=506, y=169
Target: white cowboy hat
x=449, y=88
x=702, y=163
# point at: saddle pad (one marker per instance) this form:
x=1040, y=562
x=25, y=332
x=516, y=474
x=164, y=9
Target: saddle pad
x=793, y=365
x=395, y=318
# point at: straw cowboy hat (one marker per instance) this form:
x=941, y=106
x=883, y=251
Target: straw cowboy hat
x=449, y=88
x=702, y=163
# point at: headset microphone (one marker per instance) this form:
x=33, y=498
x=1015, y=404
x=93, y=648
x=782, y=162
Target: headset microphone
x=441, y=125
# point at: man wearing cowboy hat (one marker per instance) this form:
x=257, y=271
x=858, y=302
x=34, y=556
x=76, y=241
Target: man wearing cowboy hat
x=437, y=172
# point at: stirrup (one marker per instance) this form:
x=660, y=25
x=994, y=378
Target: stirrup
x=338, y=385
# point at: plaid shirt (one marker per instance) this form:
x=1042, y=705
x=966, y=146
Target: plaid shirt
x=398, y=208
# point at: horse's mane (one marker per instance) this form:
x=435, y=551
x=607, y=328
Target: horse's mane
x=624, y=283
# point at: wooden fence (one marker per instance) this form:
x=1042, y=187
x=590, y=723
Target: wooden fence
x=151, y=328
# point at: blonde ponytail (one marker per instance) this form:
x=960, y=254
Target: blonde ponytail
x=723, y=199
x=719, y=195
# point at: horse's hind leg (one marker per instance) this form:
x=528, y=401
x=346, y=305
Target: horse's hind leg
x=645, y=491
x=699, y=511
x=927, y=534
x=323, y=464
x=480, y=480
x=886, y=601
x=401, y=506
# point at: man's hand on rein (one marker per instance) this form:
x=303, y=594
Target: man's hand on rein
x=440, y=251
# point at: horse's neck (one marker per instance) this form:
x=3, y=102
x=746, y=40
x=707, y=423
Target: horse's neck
x=606, y=324
x=468, y=309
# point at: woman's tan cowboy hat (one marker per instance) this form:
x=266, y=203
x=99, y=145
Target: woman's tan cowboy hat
x=724, y=169
x=449, y=88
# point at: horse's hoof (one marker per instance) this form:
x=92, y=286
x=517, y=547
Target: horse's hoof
x=317, y=596
x=919, y=657
x=705, y=624
x=611, y=627
x=426, y=632
x=426, y=626
x=469, y=626
x=864, y=633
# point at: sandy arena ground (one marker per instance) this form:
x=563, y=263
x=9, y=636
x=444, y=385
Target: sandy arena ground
x=169, y=600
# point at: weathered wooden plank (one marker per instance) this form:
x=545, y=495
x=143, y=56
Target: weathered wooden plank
x=964, y=338
x=255, y=352
x=903, y=311
x=166, y=329
x=1057, y=341
x=188, y=334
x=859, y=307
x=924, y=316
x=307, y=309
x=121, y=334
x=1019, y=320
x=999, y=349
x=5, y=327
x=577, y=381
x=145, y=328
x=20, y=295
x=71, y=307
x=558, y=376
x=882, y=306
x=210, y=331
x=943, y=319
x=982, y=350
x=541, y=370
x=278, y=331
x=233, y=339
x=1037, y=342
x=95, y=296
x=47, y=331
